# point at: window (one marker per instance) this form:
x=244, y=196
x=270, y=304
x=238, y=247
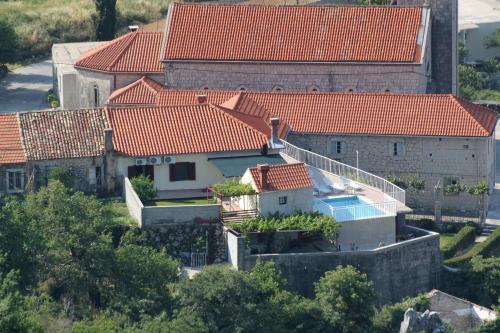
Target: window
x=337, y=147
x=137, y=170
x=313, y=89
x=242, y=88
x=15, y=180
x=96, y=95
x=182, y=171
x=205, y=88
x=398, y=149
x=350, y=90
x=277, y=89
x=98, y=176
x=282, y=200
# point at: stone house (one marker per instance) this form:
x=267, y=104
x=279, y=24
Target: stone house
x=298, y=48
x=85, y=79
x=435, y=139
x=12, y=158
x=281, y=188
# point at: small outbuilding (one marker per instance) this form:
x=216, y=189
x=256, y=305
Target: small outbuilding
x=281, y=188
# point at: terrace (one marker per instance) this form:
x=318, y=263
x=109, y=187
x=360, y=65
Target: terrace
x=345, y=192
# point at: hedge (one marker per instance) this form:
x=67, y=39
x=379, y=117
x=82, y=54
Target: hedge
x=461, y=240
x=484, y=248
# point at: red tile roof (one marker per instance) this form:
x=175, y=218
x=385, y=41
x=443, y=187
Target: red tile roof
x=135, y=52
x=292, y=33
x=283, y=177
x=180, y=130
x=64, y=134
x=355, y=113
x=141, y=92
x=11, y=148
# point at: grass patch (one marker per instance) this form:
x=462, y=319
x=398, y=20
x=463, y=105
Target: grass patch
x=182, y=202
x=119, y=212
x=445, y=240
x=486, y=248
x=40, y=23
x=460, y=241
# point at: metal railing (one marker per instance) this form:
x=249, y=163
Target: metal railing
x=356, y=212
x=344, y=170
x=198, y=259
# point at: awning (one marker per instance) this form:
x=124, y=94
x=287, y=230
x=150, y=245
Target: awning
x=236, y=166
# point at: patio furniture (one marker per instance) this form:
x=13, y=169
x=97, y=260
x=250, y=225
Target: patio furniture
x=336, y=187
x=350, y=184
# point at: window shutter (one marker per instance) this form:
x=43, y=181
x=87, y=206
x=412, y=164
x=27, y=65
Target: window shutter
x=191, y=171
x=343, y=147
x=172, y=172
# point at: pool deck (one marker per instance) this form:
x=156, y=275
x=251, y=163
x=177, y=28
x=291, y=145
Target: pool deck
x=369, y=193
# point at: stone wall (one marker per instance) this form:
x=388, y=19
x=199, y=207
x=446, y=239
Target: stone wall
x=179, y=214
x=397, y=271
x=3, y=174
x=179, y=240
x=82, y=170
x=444, y=14
x=297, y=77
x=429, y=158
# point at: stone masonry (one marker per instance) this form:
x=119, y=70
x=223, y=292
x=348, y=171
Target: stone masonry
x=408, y=78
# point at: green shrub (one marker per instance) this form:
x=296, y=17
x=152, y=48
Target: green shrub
x=426, y=224
x=489, y=327
x=484, y=248
x=308, y=222
x=61, y=174
x=232, y=188
x=144, y=188
x=461, y=240
x=389, y=318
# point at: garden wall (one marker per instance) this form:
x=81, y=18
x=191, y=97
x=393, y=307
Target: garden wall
x=397, y=270
x=151, y=216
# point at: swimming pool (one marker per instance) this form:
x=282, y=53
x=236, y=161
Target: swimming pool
x=347, y=208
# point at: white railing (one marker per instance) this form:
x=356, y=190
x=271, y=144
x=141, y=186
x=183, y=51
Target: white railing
x=343, y=170
x=198, y=259
x=356, y=212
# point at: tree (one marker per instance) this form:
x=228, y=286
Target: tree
x=8, y=42
x=226, y=301
x=105, y=19
x=485, y=276
x=144, y=188
x=15, y=316
x=347, y=299
x=61, y=174
x=493, y=39
x=470, y=81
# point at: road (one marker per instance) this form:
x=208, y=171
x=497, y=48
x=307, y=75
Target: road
x=25, y=88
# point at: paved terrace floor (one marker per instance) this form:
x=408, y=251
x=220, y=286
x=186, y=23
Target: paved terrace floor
x=370, y=193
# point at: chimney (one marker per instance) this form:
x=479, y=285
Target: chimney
x=108, y=140
x=202, y=99
x=275, y=122
x=132, y=28
x=263, y=170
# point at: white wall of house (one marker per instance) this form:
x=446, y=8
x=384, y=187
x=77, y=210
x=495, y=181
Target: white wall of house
x=206, y=174
x=296, y=200
x=367, y=234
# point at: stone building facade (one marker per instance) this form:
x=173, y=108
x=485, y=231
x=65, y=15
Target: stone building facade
x=407, y=78
x=434, y=160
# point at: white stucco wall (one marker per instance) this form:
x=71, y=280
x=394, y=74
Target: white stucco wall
x=367, y=234
x=297, y=200
x=133, y=202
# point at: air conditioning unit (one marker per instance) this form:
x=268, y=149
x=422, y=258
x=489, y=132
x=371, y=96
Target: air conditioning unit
x=141, y=161
x=154, y=160
x=168, y=159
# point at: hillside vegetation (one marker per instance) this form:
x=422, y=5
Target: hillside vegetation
x=38, y=24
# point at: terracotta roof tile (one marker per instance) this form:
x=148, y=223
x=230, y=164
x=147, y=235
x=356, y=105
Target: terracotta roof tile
x=180, y=130
x=356, y=113
x=283, y=177
x=135, y=52
x=292, y=33
x=143, y=92
x=11, y=148
x=64, y=134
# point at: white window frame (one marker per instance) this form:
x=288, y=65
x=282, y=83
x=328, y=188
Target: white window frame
x=14, y=171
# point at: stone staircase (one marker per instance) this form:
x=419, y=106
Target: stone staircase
x=238, y=216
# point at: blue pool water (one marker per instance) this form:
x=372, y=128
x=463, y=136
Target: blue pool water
x=352, y=207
